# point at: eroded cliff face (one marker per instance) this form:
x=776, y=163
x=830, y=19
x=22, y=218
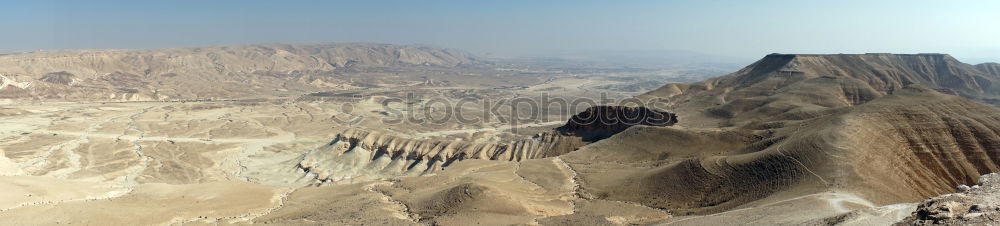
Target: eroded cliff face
x=356, y=155
x=921, y=142
x=601, y=122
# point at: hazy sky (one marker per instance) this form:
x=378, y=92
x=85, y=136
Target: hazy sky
x=967, y=29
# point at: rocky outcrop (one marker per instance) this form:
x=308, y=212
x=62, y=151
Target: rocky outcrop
x=13, y=89
x=62, y=78
x=601, y=122
x=356, y=155
x=975, y=205
x=362, y=155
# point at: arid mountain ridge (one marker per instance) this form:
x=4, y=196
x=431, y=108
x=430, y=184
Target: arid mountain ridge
x=230, y=59
x=797, y=86
x=179, y=73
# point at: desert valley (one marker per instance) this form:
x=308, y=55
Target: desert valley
x=378, y=134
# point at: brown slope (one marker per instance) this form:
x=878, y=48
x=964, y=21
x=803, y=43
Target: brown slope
x=921, y=142
x=600, y=122
x=976, y=205
x=903, y=147
x=793, y=86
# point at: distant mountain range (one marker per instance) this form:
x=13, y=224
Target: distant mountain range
x=199, y=72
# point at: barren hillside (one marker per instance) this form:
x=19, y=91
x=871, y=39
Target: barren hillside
x=798, y=86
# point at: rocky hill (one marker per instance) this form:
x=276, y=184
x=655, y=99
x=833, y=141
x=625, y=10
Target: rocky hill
x=975, y=205
x=881, y=128
x=797, y=86
x=900, y=148
x=203, y=72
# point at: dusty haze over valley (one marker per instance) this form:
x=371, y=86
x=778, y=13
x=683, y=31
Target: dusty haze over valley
x=238, y=113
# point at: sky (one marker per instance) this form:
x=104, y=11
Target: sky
x=967, y=29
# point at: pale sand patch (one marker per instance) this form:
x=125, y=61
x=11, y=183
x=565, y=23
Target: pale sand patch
x=28, y=191
x=9, y=168
x=158, y=204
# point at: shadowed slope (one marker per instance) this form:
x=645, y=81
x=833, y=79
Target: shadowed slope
x=356, y=155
